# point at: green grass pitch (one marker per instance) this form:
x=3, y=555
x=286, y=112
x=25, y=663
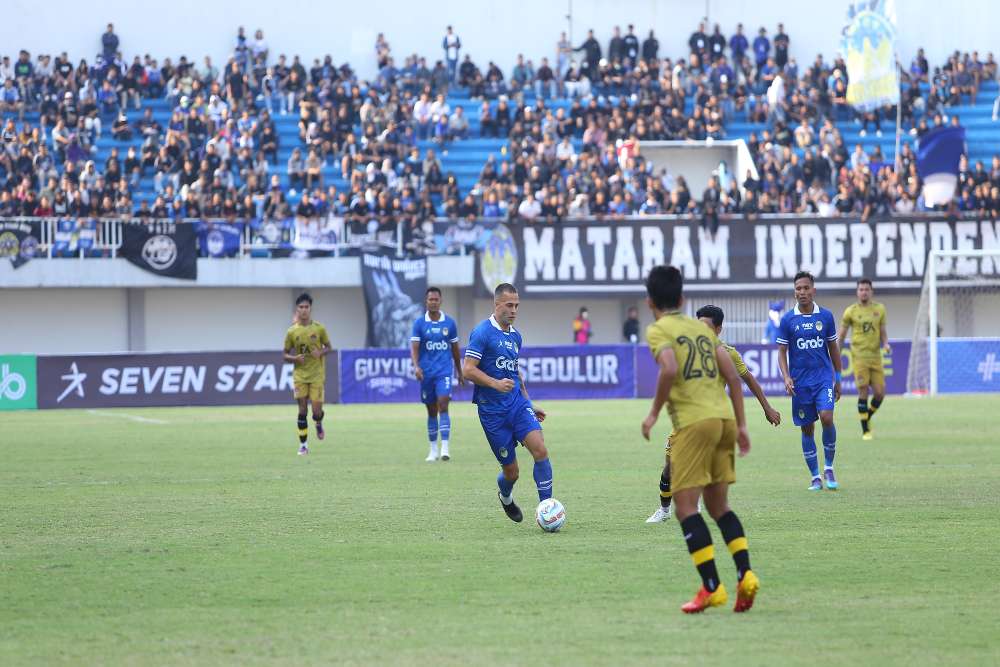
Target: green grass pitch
x=197, y=536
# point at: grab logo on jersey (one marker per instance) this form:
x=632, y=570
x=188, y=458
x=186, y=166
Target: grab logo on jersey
x=508, y=364
x=440, y=345
x=809, y=343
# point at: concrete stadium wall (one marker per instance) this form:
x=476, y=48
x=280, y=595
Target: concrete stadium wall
x=489, y=31
x=63, y=321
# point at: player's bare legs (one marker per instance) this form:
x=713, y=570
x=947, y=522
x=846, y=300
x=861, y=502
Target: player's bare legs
x=432, y=434
x=303, y=425
x=317, y=410
x=444, y=421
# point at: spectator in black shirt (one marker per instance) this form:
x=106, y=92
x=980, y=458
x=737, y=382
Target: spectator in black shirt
x=698, y=42
x=716, y=44
x=616, y=47
x=630, y=329
x=781, y=42
x=631, y=47
x=650, y=48
x=109, y=43
x=591, y=54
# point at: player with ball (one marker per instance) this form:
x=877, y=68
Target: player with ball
x=505, y=411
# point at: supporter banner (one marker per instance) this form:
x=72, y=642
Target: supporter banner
x=762, y=361
x=394, y=297
x=579, y=259
x=18, y=385
x=165, y=248
x=562, y=372
x=19, y=241
x=868, y=45
x=969, y=365
x=219, y=239
x=145, y=380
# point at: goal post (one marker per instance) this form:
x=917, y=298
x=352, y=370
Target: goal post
x=956, y=336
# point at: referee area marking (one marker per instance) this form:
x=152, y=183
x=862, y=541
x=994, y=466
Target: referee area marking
x=135, y=418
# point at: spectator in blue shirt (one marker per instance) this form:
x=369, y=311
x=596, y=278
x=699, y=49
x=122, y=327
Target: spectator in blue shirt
x=109, y=44
x=761, y=47
x=738, y=45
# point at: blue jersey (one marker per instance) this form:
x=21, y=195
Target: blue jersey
x=435, y=338
x=806, y=336
x=496, y=351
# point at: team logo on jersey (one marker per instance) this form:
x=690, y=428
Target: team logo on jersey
x=445, y=331
x=503, y=452
x=819, y=326
x=802, y=414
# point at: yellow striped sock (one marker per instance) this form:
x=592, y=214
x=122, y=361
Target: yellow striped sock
x=737, y=545
x=703, y=555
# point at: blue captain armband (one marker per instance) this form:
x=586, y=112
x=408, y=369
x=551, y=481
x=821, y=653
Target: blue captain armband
x=836, y=377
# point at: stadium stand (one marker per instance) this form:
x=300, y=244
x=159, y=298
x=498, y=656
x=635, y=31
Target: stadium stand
x=265, y=137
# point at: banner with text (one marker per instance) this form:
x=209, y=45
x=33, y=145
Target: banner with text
x=394, y=297
x=762, y=256
x=571, y=371
x=762, y=361
x=145, y=380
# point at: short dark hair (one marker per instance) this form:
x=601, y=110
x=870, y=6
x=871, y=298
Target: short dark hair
x=865, y=281
x=803, y=274
x=432, y=289
x=712, y=312
x=504, y=288
x=305, y=297
x=664, y=286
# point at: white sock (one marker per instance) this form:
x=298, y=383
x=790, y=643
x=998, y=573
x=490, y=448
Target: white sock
x=508, y=500
x=444, y=444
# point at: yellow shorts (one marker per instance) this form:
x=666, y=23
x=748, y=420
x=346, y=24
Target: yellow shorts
x=311, y=390
x=703, y=453
x=867, y=373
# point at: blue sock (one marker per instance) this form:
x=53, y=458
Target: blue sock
x=445, y=426
x=506, y=488
x=809, y=452
x=543, y=479
x=432, y=429
x=829, y=444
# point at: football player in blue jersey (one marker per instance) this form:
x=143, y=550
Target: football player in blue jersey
x=505, y=411
x=809, y=359
x=434, y=352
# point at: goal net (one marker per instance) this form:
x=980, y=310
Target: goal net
x=956, y=337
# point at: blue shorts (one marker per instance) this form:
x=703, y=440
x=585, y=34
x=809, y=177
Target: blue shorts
x=433, y=388
x=504, y=430
x=809, y=401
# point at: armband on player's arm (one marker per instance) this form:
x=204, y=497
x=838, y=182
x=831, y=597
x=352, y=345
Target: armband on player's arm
x=836, y=376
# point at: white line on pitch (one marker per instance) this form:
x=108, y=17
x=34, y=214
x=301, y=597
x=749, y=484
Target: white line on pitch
x=135, y=418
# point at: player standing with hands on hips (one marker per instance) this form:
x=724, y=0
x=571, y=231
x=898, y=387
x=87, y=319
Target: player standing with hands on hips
x=505, y=410
x=809, y=359
x=434, y=352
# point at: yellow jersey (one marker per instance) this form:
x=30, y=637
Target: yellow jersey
x=741, y=367
x=866, y=324
x=696, y=392
x=304, y=340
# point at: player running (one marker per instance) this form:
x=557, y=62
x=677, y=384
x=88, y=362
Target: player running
x=713, y=317
x=709, y=425
x=306, y=346
x=505, y=410
x=809, y=359
x=866, y=319
x=434, y=352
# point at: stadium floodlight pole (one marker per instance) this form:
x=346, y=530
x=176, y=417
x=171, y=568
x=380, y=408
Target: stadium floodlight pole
x=933, y=317
x=569, y=21
x=899, y=120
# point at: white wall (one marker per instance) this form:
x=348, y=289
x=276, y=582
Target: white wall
x=489, y=31
x=64, y=321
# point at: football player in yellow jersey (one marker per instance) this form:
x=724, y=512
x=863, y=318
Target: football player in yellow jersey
x=306, y=346
x=709, y=426
x=713, y=317
x=866, y=320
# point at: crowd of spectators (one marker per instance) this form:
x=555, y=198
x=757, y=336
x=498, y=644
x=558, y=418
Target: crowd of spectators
x=217, y=154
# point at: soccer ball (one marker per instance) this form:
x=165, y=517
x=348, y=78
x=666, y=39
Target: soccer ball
x=550, y=515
